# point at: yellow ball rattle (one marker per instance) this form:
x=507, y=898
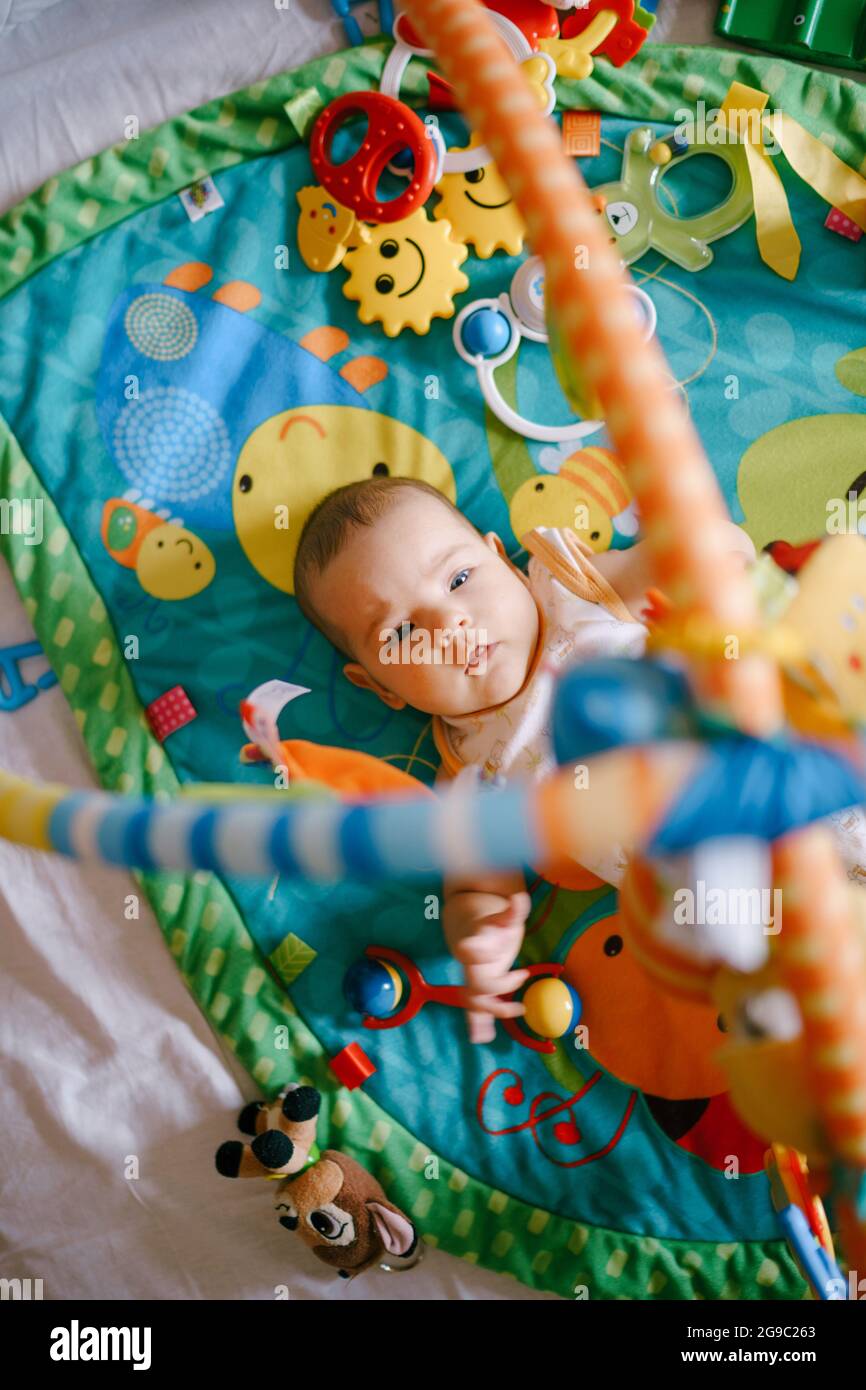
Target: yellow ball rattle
x=553, y=1008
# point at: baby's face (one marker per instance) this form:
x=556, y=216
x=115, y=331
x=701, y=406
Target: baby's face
x=433, y=615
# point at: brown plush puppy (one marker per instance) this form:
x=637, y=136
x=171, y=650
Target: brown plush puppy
x=340, y=1211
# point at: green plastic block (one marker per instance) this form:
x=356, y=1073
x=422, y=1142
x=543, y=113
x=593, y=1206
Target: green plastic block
x=828, y=32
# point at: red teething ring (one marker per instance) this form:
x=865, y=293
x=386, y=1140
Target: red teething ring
x=391, y=127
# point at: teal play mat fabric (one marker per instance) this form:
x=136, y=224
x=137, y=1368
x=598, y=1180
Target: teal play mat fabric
x=752, y=353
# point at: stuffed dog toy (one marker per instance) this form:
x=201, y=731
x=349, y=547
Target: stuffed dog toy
x=336, y=1207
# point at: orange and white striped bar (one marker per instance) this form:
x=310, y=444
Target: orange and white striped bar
x=681, y=506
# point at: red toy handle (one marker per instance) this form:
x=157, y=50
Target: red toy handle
x=534, y=18
x=623, y=42
x=391, y=127
x=419, y=994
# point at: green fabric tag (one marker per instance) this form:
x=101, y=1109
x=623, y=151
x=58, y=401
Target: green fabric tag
x=291, y=958
x=303, y=108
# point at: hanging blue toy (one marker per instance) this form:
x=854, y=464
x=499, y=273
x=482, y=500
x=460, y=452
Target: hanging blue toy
x=14, y=690
x=353, y=29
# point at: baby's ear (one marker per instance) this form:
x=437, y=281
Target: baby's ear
x=364, y=681
x=495, y=544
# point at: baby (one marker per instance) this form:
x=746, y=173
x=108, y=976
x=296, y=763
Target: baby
x=433, y=615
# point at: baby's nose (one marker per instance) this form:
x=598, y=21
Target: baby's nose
x=442, y=621
x=446, y=630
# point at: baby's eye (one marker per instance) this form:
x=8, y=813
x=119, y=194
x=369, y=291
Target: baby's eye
x=405, y=630
x=459, y=578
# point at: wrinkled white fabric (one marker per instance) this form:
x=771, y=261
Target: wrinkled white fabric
x=71, y=76
x=14, y=12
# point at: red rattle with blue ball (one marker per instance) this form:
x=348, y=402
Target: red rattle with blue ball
x=388, y=989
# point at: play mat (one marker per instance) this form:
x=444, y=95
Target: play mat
x=150, y=362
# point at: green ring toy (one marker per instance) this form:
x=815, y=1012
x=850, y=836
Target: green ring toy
x=639, y=223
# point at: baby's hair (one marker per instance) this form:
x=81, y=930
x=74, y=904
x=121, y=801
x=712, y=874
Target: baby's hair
x=329, y=527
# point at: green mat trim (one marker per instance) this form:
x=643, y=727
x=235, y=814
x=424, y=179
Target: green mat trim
x=226, y=973
x=100, y=192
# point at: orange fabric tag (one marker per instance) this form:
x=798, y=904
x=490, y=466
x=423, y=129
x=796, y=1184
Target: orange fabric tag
x=581, y=133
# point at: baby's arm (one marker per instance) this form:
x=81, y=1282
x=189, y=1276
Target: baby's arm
x=483, y=922
x=483, y=919
x=629, y=572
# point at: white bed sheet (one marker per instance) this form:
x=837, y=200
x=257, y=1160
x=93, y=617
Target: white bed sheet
x=103, y=1053
x=69, y=78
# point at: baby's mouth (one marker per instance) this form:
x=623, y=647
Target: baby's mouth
x=478, y=658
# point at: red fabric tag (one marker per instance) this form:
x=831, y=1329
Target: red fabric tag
x=170, y=712
x=839, y=222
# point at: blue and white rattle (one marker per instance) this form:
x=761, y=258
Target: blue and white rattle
x=488, y=332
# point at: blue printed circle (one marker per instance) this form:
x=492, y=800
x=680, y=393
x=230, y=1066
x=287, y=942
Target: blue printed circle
x=161, y=326
x=172, y=444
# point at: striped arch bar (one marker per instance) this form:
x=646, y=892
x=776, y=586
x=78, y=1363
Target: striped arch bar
x=463, y=829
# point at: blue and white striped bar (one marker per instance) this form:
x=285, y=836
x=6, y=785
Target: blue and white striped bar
x=463, y=830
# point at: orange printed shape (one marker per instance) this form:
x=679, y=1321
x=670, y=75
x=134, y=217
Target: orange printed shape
x=131, y=523
x=364, y=372
x=641, y=904
x=325, y=342
x=240, y=295
x=191, y=276
x=344, y=770
x=581, y=134
x=567, y=873
x=619, y=997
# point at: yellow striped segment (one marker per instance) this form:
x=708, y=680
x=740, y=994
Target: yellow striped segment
x=25, y=809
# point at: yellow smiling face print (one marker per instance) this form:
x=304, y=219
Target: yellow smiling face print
x=481, y=210
x=326, y=230
x=169, y=561
x=293, y=460
x=173, y=563
x=588, y=493
x=407, y=274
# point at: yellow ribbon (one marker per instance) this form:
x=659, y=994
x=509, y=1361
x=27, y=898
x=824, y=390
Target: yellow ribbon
x=743, y=111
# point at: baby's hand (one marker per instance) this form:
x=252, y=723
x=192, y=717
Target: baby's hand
x=484, y=931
